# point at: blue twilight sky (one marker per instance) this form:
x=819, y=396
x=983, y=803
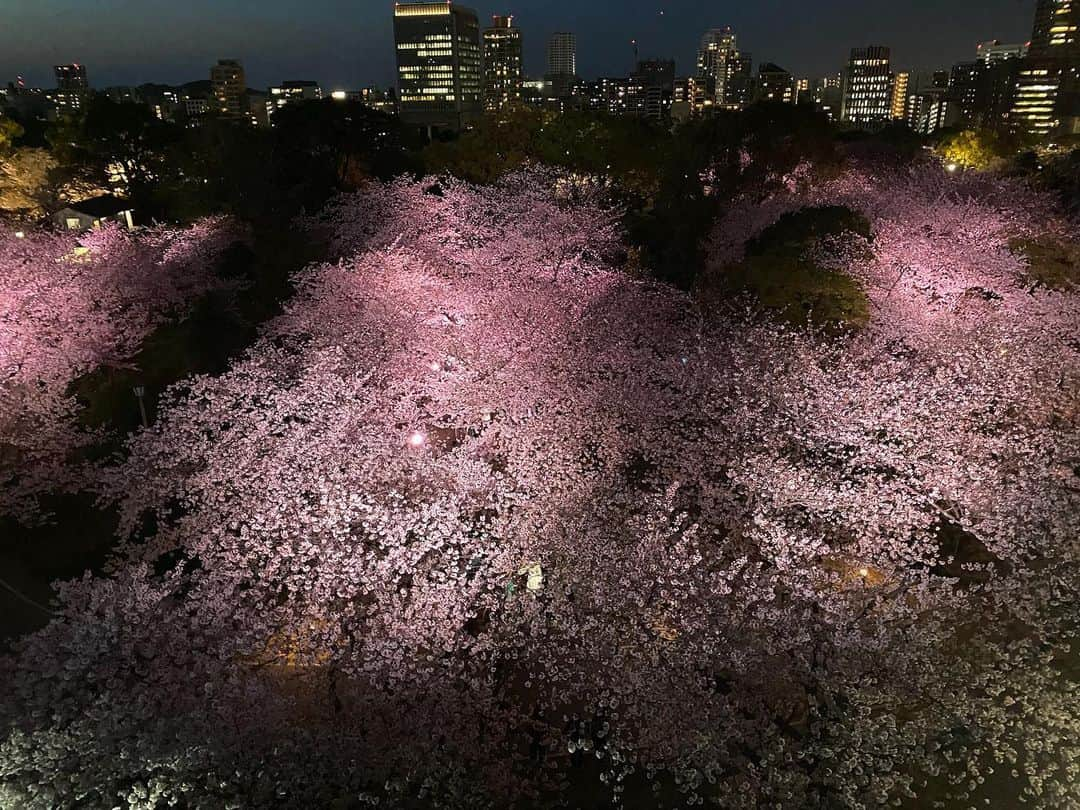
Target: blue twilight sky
x=348, y=43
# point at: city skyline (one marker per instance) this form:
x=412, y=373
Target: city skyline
x=158, y=42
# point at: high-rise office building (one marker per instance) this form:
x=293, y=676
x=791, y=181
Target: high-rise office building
x=983, y=90
x=720, y=61
x=928, y=80
x=562, y=54
x=561, y=63
x=440, y=78
x=193, y=107
x=964, y=83
x=994, y=50
x=71, y=77
x=377, y=98
x=652, y=88
x=1047, y=96
x=930, y=104
x=929, y=110
x=741, y=86
x=867, y=87
x=502, y=64
x=71, y=86
x=1055, y=31
x=691, y=97
x=290, y=92
x=775, y=84
x=614, y=95
x=228, y=86
x=802, y=91
x=899, y=96
x=827, y=94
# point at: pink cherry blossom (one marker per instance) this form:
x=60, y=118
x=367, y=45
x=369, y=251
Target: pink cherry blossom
x=638, y=545
x=70, y=304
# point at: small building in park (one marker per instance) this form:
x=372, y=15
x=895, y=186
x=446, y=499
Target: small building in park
x=95, y=212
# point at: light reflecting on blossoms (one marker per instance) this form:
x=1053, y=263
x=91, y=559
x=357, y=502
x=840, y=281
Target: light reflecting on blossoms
x=69, y=305
x=655, y=553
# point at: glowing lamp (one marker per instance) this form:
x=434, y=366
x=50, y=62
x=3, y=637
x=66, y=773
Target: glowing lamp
x=338, y=95
x=864, y=572
x=20, y=235
x=952, y=167
x=417, y=439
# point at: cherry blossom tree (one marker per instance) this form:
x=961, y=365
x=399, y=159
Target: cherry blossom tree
x=481, y=521
x=70, y=304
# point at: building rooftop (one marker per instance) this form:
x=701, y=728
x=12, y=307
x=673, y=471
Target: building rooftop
x=105, y=205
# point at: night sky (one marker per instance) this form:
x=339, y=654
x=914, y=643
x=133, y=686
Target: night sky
x=348, y=43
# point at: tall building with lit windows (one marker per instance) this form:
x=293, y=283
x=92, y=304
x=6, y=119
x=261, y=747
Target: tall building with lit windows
x=691, y=97
x=1047, y=96
x=775, y=84
x=868, y=84
x=719, y=60
x=502, y=64
x=290, y=92
x=899, y=96
x=561, y=63
x=562, y=54
x=994, y=50
x=71, y=86
x=983, y=90
x=228, y=85
x=740, y=86
x=1056, y=28
x=439, y=62
x=827, y=95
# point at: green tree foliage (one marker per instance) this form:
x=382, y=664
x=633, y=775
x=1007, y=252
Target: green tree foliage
x=629, y=150
x=971, y=149
x=340, y=144
x=498, y=145
x=792, y=232
x=121, y=141
x=894, y=143
x=633, y=151
x=220, y=165
x=314, y=150
x=778, y=273
x=1061, y=174
x=799, y=292
x=712, y=161
x=10, y=132
x=1051, y=262
x=673, y=182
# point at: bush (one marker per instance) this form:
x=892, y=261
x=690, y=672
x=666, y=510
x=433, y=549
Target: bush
x=1050, y=262
x=1061, y=174
x=795, y=230
x=10, y=132
x=799, y=292
x=783, y=281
